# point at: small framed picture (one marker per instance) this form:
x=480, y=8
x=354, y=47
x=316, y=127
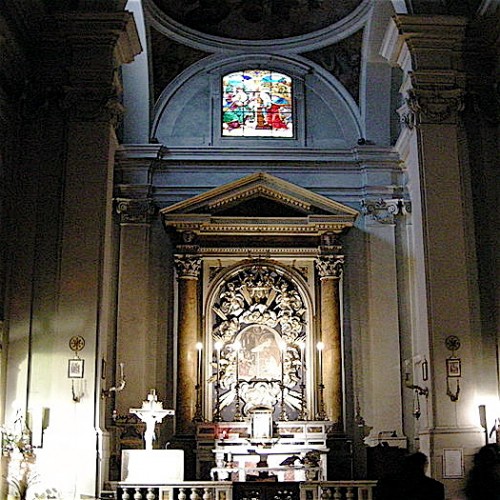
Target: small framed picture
x=453, y=367
x=453, y=462
x=75, y=368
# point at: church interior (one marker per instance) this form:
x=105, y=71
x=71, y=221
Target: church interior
x=249, y=248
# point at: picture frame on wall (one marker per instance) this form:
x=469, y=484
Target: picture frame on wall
x=453, y=367
x=76, y=368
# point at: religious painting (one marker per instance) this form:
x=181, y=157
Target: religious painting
x=257, y=103
x=260, y=354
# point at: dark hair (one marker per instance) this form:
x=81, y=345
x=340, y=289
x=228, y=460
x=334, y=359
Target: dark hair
x=415, y=462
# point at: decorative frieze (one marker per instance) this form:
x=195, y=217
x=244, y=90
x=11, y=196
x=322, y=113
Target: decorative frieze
x=385, y=211
x=187, y=266
x=330, y=266
x=135, y=211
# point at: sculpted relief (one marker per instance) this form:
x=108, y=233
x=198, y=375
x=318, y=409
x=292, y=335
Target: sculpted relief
x=259, y=323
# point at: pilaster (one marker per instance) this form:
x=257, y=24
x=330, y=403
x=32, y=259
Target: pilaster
x=385, y=413
x=430, y=51
x=134, y=344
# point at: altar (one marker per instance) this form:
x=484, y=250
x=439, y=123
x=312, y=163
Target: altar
x=295, y=451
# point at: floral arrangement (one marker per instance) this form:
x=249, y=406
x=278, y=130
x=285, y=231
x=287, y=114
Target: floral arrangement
x=17, y=446
x=15, y=443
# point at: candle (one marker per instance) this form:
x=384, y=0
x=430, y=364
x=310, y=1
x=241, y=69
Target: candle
x=302, y=347
x=320, y=346
x=218, y=347
x=199, y=347
x=237, y=347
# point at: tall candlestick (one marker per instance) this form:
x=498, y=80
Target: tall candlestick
x=321, y=415
x=320, y=346
x=237, y=414
x=218, y=346
x=302, y=415
x=282, y=384
x=199, y=347
x=198, y=416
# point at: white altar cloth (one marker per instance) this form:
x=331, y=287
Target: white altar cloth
x=152, y=466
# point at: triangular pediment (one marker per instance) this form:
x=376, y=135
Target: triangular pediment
x=259, y=202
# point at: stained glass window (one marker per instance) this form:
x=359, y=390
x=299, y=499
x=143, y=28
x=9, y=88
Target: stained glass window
x=257, y=103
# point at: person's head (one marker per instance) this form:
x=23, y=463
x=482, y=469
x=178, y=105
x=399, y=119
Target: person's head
x=487, y=455
x=416, y=463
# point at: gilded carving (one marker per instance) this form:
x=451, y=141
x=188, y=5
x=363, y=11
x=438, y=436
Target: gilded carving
x=187, y=266
x=330, y=266
x=259, y=320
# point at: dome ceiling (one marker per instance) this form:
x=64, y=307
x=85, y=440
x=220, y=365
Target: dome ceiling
x=256, y=19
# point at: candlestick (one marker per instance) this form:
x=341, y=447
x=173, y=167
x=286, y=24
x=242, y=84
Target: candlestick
x=321, y=415
x=320, y=346
x=282, y=383
x=198, y=416
x=237, y=413
x=217, y=416
x=302, y=415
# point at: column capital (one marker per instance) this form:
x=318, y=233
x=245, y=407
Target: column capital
x=96, y=44
x=429, y=50
x=135, y=211
x=385, y=211
x=330, y=266
x=187, y=266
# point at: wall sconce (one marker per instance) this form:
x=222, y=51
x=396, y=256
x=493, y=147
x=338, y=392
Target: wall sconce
x=453, y=368
x=106, y=393
x=419, y=390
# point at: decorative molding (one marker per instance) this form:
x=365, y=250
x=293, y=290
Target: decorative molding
x=135, y=211
x=385, y=211
x=187, y=266
x=435, y=105
x=330, y=266
x=260, y=190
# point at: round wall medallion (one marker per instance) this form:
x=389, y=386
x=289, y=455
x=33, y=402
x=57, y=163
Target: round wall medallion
x=452, y=343
x=76, y=343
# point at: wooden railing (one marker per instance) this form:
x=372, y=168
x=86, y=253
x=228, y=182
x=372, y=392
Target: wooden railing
x=222, y=490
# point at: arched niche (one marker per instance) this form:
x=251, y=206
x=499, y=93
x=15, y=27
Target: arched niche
x=259, y=327
x=188, y=112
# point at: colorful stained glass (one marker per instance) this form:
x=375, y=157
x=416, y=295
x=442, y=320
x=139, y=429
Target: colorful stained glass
x=257, y=103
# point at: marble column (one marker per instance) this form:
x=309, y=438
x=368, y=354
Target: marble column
x=188, y=270
x=330, y=271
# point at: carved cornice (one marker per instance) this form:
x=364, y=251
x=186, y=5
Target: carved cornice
x=330, y=266
x=264, y=191
x=135, y=211
x=187, y=266
x=259, y=226
x=385, y=211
